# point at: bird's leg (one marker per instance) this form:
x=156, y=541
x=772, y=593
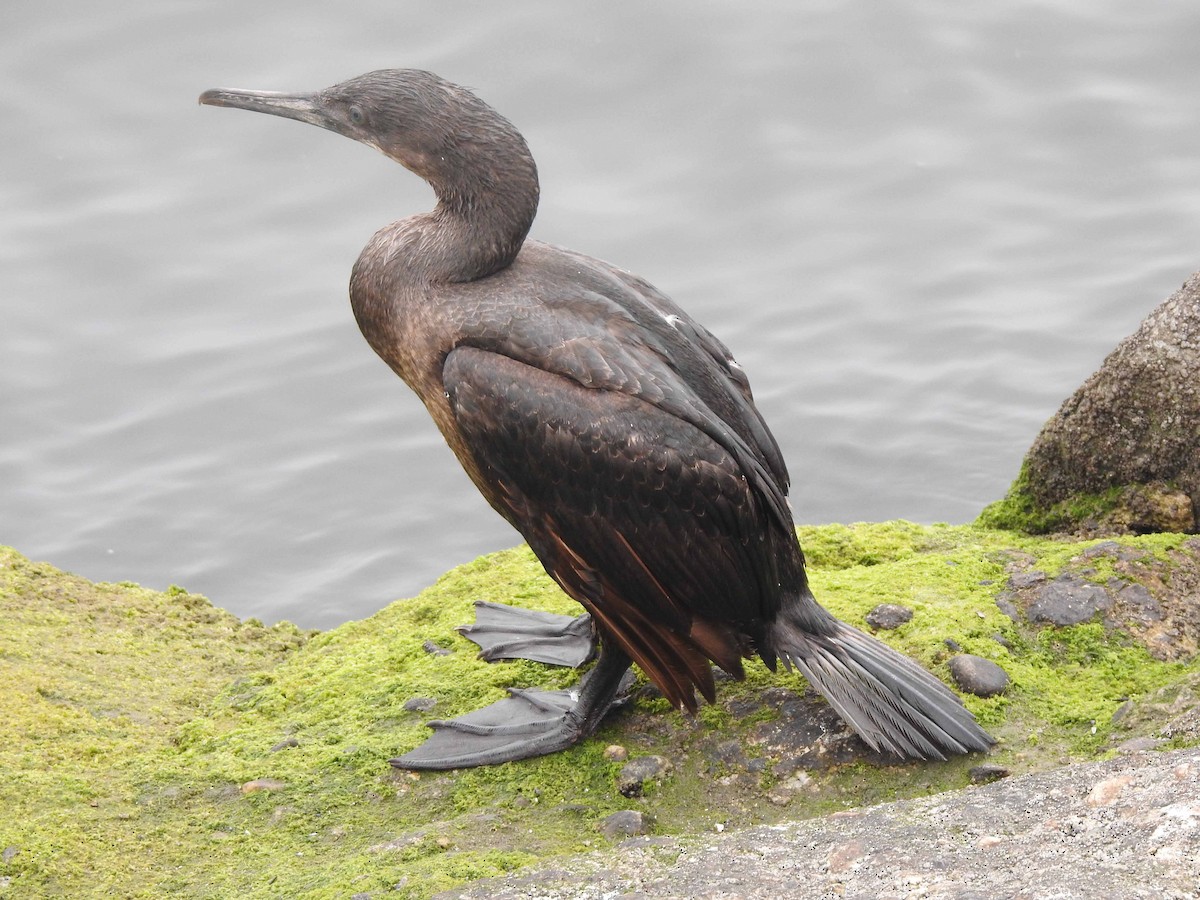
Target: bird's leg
x=510, y=632
x=527, y=722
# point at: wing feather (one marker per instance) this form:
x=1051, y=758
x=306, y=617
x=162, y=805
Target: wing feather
x=639, y=515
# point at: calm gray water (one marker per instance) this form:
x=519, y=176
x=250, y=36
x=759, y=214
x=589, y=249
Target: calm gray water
x=919, y=226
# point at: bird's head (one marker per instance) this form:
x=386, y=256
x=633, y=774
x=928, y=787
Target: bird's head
x=434, y=128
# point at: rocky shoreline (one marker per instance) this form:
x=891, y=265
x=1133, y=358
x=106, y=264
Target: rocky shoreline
x=154, y=745
x=1127, y=827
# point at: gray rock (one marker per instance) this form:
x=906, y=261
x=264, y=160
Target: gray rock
x=889, y=615
x=1005, y=604
x=1124, y=828
x=1133, y=423
x=285, y=744
x=1140, y=744
x=1021, y=580
x=988, y=772
x=9, y=854
x=419, y=704
x=1069, y=600
x=636, y=772
x=977, y=675
x=626, y=823
x=435, y=650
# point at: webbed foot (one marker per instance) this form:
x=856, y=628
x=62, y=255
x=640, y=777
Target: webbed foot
x=527, y=723
x=510, y=632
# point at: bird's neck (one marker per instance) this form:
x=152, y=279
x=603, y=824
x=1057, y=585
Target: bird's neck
x=475, y=230
x=479, y=224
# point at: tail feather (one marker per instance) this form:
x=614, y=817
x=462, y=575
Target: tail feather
x=894, y=704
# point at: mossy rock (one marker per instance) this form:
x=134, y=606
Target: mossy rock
x=1120, y=455
x=154, y=745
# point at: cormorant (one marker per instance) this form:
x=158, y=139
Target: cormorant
x=616, y=433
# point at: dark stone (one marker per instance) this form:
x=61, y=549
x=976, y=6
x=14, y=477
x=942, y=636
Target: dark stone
x=988, y=772
x=636, y=772
x=889, y=615
x=434, y=650
x=808, y=735
x=419, y=704
x=1104, y=548
x=285, y=744
x=1069, y=600
x=626, y=823
x=952, y=645
x=977, y=675
x=1002, y=641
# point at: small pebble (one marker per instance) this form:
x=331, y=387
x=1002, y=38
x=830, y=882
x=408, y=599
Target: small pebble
x=1104, y=793
x=434, y=650
x=616, y=753
x=263, y=784
x=638, y=771
x=419, y=704
x=626, y=823
x=1139, y=744
x=977, y=675
x=988, y=772
x=889, y=615
x=285, y=744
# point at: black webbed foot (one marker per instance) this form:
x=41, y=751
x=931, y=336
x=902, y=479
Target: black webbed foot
x=526, y=723
x=510, y=632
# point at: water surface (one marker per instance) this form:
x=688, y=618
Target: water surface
x=918, y=227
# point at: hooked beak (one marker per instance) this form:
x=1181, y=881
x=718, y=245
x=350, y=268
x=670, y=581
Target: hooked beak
x=301, y=107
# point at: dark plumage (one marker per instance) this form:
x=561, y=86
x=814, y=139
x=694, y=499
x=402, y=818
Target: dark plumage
x=613, y=431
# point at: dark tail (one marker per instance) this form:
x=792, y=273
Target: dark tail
x=893, y=703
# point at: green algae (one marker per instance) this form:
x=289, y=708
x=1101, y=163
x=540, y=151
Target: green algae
x=154, y=745
x=1020, y=510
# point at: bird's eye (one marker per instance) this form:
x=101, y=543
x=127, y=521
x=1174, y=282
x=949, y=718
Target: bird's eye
x=357, y=116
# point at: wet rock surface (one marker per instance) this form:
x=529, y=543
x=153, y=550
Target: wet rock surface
x=1122, y=828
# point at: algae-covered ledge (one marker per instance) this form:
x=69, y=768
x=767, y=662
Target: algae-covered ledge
x=154, y=744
